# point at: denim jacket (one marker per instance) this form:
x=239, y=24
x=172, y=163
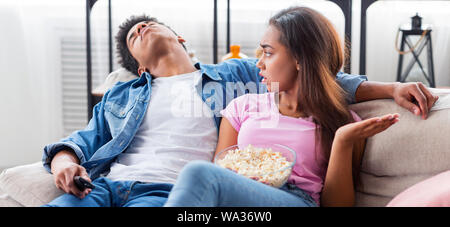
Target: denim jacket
x=118, y=116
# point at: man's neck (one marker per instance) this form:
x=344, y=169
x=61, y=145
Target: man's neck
x=174, y=63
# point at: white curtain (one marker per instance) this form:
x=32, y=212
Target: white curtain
x=30, y=70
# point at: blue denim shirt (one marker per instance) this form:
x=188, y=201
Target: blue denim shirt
x=118, y=116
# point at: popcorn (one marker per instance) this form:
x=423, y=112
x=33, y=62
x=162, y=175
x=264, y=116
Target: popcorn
x=258, y=163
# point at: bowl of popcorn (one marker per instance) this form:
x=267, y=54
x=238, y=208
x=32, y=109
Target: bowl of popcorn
x=270, y=164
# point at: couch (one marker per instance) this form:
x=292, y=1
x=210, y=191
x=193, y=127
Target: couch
x=407, y=153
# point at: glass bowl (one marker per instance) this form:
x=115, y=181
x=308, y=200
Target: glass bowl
x=267, y=163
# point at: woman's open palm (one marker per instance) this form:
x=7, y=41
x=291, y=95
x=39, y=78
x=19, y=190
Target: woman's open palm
x=366, y=128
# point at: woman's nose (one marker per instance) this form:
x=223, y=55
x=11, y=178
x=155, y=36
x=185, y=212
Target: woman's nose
x=260, y=63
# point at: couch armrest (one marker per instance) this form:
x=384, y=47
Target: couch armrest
x=7, y=201
x=28, y=185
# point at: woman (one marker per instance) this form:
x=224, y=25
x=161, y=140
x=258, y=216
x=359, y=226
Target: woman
x=305, y=110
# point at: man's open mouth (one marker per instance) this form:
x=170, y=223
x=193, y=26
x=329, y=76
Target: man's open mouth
x=143, y=31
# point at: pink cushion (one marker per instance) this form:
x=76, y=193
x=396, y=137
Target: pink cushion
x=434, y=192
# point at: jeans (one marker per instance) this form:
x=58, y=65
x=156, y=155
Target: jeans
x=109, y=193
x=205, y=184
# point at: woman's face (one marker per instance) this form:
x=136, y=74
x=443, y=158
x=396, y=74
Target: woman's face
x=277, y=65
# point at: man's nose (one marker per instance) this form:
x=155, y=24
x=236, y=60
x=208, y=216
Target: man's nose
x=140, y=27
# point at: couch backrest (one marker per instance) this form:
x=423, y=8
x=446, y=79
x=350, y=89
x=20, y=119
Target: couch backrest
x=406, y=153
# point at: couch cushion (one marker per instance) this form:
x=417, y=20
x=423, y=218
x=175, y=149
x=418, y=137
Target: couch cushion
x=120, y=75
x=7, y=201
x=408, y=152
x=27, y=185
x=433, y=192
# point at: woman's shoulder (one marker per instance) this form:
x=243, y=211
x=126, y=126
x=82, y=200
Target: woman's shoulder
x=251, y=102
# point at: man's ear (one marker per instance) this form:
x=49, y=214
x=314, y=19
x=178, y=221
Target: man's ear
x=181, y=40
x=141, y=69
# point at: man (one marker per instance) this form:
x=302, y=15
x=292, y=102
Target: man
x=145, y=130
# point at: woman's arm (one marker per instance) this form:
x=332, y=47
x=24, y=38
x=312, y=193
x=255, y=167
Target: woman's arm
x=227, y=135
x=342, y=173
x=345, y=159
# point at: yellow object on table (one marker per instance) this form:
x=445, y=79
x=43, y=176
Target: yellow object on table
x=234, y=53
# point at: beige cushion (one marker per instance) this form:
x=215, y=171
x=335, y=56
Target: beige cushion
x=408, y=152
x=27, y=185
x=121, y=75
x=7, y=201
x=432, y=192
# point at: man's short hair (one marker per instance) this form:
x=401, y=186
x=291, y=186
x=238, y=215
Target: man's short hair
x=126, y=60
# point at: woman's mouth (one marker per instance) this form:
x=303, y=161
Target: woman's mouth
x=264, y=78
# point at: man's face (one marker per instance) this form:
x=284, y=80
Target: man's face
x=147, y=41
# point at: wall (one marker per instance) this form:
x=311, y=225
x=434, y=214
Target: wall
x=383, y=20
x=30, y=70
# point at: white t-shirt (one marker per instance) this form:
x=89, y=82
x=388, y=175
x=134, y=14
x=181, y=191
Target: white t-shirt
x=177, y=128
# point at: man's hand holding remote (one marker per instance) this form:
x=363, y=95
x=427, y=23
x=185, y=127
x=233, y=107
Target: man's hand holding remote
x=65, y=166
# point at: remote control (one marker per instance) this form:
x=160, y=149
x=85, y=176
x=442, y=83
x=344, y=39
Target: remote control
x=82, y=183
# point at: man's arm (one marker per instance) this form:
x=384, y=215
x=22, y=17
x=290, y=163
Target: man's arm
x=63, y=158
x=370, y=90
x=414, y=97
x=83, y=143
x=348, y=82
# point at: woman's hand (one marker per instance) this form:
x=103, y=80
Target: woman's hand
x=346, y=154
x=350, y=133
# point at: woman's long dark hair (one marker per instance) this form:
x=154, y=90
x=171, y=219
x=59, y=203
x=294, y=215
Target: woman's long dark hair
x=316, y=46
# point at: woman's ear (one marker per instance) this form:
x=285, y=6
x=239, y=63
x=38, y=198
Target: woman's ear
x=297, y=65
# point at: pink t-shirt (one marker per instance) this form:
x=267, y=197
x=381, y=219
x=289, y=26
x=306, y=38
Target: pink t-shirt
x=257, y=119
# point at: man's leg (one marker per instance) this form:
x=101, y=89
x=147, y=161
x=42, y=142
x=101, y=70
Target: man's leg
x=148, y=195
x=99, y=197
x=206, y=184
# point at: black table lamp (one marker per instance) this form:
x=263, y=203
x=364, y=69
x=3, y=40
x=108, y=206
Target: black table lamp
x=416, y=49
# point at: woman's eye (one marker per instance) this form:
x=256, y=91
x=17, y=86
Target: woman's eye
x=267, y=54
